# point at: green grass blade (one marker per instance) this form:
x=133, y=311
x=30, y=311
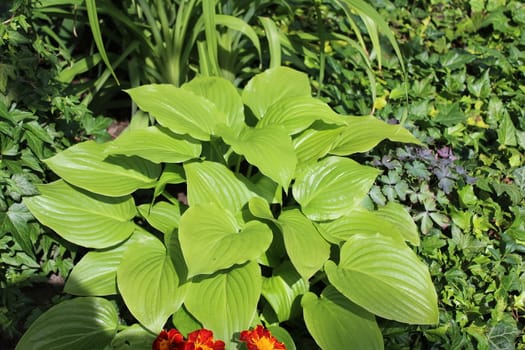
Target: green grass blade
x=91, y=7
x=274, y=42
x=241, y=26
x=208, y=12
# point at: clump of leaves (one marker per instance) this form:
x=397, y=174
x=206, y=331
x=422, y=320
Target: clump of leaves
x=274, y=232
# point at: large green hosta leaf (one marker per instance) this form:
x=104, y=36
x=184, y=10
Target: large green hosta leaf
x=391, y=220
x=149, y=284
x=268, y=87
x=82, y=323
x=336, y=323
x=312, y=144
x=86, y=219
x=223, y=94
x=283, y=289
x=270, y=149
x=96, y=273
x=162, y=215
x=213, y=182
x=307, y=249
x=212, y=239
x=155, y=144
x=384, y=276
x=134, y=337
x=179, y=110
x=226, y=302
x=332, y=187
x=296, y=114
x=86, y=165
x=363, y=133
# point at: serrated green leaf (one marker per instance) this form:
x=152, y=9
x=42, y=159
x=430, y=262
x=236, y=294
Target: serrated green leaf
x=307, y=249
x=207, y=231
x=83, y=218
x=385, y=277
x=179, y=110
x=82, y=323
x=85, y=165
x=226, y=302
x=274, y=84
x=332, y=187
x=337, y=323
x=146, y=264
x=156, y=144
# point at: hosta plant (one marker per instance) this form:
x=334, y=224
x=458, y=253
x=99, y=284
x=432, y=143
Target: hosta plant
x=225, y=210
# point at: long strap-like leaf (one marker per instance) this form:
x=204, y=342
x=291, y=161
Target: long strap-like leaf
x=91, y=7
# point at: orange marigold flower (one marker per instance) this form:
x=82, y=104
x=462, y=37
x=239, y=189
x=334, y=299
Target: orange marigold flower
x=168, y=340
x=202, y=339
x=261, y=339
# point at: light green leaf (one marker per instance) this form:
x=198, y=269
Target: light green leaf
x=282, y=289
x=210, y=182
x=134, y=337
x=162, y=215
x=391, y=220
x=307, y=249
x=270, y=149
x=296, y=114
x=386, y=278
x=399, y=216
x=259, y=208
x=283, y=336
x=332, y=187
x=156, y=144
x=171, y=174
x=226, y=302
x=96, y=273
x=179, y=110
x=268, y=87
x=81, y=323
x=83, y=218
x=507, y=131
x=207, y=231
x=85, y=165
x=363, y=133
x=223, y=94
x=337, y=323
x=271, y=32
x=149, y=284
x=312, y=145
